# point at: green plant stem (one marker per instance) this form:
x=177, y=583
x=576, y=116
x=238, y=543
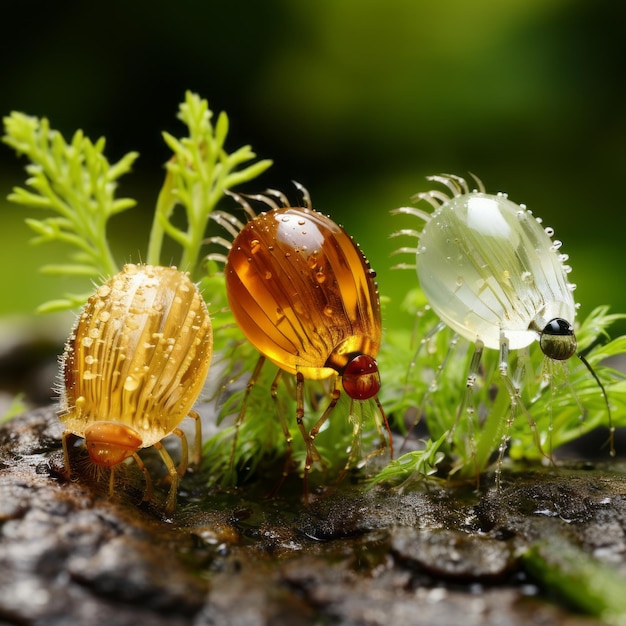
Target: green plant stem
x=490, y=432
x=580, y=580
x=164, y=207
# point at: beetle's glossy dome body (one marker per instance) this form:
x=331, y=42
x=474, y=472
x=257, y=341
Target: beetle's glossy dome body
x=495, y=276
x=304, y=295
x=136, y=361
x=487, y=266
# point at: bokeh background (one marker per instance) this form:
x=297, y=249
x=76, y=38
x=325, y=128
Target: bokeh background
x=358, y=100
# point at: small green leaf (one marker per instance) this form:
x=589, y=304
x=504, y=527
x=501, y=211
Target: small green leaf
x=63, y=304
x=412, y=465
x=70, y=270
x=17, y=407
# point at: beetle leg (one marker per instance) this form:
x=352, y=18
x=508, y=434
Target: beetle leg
x=284, y=426
x=196, y=453
x=513, y=390
x=148, y=493
x=170, y=502
x=242, y=413
x=312, y=455
x=467, y=405
x=66, y=454
x=184, y=453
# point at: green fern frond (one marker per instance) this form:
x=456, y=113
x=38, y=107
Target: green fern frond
x=74, y=181
x=198, y=174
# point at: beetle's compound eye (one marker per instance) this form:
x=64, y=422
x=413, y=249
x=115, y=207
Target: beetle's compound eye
x=361, y=379
x=557, y=339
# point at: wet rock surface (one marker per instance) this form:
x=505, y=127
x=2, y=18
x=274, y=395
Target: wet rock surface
x=439, y=554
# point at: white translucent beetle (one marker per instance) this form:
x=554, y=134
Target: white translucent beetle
x=494, y=275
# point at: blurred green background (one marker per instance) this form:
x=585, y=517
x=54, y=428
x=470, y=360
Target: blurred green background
x=356, y=99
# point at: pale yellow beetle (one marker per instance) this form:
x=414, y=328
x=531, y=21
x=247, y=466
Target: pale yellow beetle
x=134, y=365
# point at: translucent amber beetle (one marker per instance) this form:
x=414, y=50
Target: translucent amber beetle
x=305, y=296
x=133, y=366
x=493, y=274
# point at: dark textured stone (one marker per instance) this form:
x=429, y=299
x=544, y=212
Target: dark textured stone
x=453, y=555
x=434, y=555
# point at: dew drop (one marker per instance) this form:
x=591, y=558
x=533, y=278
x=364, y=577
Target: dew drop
x=328, y=311
x=104, y=291
x=131, y=383
x=549, y=231
x=268, y=275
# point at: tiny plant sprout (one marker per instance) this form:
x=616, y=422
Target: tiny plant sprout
x=134, y=364
x=304, y=295
x=494, y=275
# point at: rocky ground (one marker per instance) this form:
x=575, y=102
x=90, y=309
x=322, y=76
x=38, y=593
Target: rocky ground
x=433, y=554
